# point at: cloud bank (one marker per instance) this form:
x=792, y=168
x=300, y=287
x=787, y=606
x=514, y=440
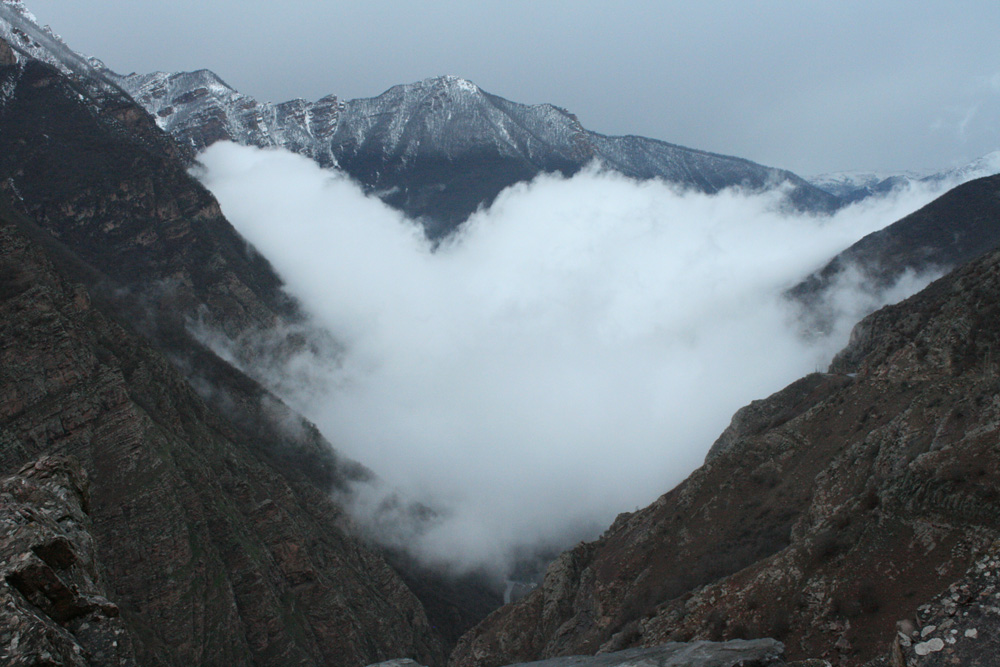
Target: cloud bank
x=572, y=353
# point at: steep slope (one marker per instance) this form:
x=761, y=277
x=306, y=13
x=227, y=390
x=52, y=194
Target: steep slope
x=828, y=513
x=199, y=108
x=100, y=177
x=211, y=511
x=215, y=553
x=439, y=148
x=19, y=29
x=107, y=194
x=953, y=229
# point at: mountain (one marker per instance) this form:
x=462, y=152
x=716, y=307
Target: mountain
x=853, y=186
x=212, y=507
x=211, y=530
x=946, y=233
x=825, y=514
x=440, y=148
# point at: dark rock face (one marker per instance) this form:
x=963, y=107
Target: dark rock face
x=54, y=608
x=211, y=512
x=102, y=180
x=214, y=556
x=873, y=491
x=440, y=148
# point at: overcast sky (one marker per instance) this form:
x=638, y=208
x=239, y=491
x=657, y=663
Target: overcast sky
x=808, y=86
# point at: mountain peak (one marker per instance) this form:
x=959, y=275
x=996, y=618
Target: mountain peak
x=453, y=82
x=446, y=82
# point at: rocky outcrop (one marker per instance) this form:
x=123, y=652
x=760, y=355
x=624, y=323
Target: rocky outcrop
x=54, y=608
x=959, y=627
x=863, y=495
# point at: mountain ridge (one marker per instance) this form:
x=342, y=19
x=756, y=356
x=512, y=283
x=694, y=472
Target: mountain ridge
x=440, y=148
x=826, y=513
x=853, y=186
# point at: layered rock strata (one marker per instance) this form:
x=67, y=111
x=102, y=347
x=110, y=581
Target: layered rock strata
x=54, y=608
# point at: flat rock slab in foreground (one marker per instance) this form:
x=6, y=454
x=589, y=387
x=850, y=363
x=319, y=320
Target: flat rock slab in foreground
x=735, y=653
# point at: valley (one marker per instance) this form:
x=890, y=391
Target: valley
x=329, y=383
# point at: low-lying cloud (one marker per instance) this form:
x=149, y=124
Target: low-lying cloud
x=572, y=353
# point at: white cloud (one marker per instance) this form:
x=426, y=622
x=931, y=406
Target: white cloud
x=570, y=355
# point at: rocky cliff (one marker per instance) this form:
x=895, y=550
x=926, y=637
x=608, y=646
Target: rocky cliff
x=216, y=550
x=55, y=609
x=212, y=510
x=826, y=514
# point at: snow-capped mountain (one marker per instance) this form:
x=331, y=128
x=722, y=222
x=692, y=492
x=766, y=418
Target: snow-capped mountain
x=438, y=148
x=987, y=165
x=853, y=186
x=199, y=108
x=19, y=28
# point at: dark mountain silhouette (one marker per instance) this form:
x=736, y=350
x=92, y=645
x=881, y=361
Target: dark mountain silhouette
x=946, y=233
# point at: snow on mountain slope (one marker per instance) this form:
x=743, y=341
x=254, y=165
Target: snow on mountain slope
x=856, y=185
x=199, y=108
x=437, y=149
x=987, y=165
x=20, y=29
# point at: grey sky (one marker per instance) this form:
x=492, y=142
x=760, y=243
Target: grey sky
x=809, y=86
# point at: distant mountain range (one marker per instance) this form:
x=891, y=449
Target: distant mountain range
x=440, y=148
x=852, y=186
x=948, y=232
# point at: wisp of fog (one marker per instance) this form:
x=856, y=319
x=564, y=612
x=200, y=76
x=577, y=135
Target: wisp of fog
x=570, y=354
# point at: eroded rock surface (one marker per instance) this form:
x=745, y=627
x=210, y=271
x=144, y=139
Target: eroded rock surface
x=959, y=627
x=215, y=554
x=211, y=511
x=54, y=608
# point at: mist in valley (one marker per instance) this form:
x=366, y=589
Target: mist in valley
x=571, y=353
